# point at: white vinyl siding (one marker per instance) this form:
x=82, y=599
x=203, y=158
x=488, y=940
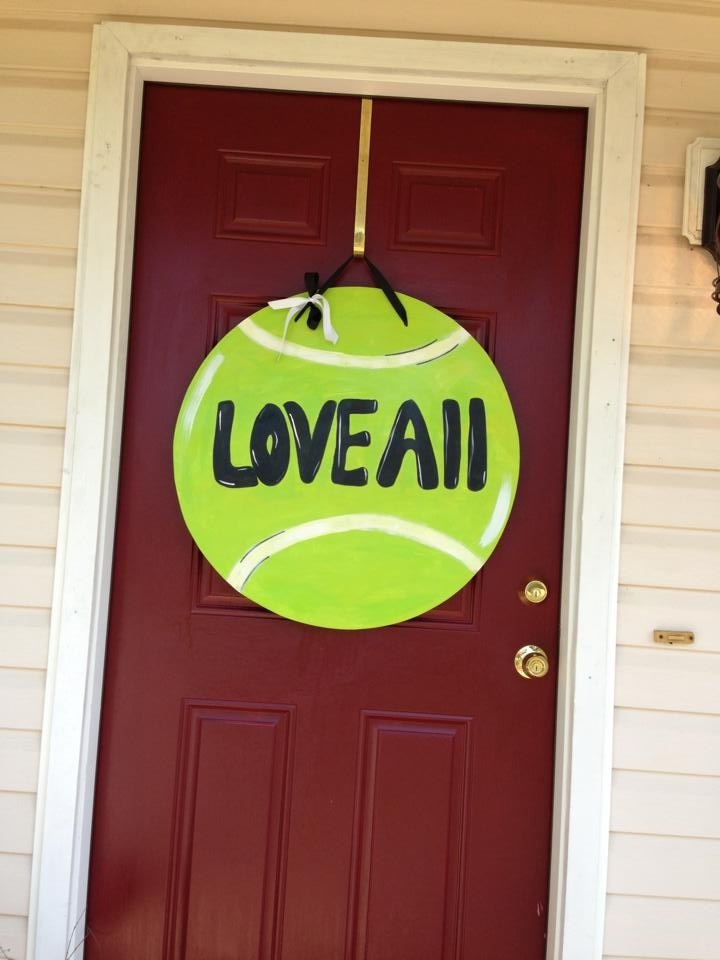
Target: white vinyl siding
x=664, y=878
x=42, y=103
x=664, y=869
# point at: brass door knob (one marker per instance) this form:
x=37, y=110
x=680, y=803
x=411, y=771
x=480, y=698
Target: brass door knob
x=531, y=662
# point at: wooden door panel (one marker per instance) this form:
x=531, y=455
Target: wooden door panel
x=271, y=196
x=268, y=789
x=231, y=829
x=407, y=880
x=445, y=208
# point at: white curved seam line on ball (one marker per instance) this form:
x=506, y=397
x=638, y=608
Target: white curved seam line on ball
x=372, y=522
x=333, y=358
x=203, y=385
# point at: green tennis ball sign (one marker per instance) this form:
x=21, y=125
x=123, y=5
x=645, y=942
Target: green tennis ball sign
x=347, y=485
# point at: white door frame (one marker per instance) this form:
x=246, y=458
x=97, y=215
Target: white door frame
x=611, y=85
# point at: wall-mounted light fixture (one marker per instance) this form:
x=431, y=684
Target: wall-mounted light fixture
x=711, y=210
x=701, y=211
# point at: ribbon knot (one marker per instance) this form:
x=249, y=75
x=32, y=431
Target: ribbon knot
x=295, y=305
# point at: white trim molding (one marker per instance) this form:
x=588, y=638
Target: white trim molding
x=611, y=85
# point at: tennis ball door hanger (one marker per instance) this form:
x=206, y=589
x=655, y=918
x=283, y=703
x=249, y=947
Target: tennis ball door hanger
x=349, y=480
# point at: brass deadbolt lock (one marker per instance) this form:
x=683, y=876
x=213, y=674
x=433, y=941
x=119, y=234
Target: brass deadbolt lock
x=531, y=662
x=535, y=591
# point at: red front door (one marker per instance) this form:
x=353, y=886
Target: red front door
x=271, y=790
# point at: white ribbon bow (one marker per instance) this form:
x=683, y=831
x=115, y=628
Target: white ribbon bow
x=295, y=304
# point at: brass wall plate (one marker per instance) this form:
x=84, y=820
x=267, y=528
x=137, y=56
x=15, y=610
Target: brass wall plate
x=672, y=637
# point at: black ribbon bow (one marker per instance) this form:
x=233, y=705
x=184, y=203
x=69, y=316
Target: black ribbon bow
x=312, y=285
